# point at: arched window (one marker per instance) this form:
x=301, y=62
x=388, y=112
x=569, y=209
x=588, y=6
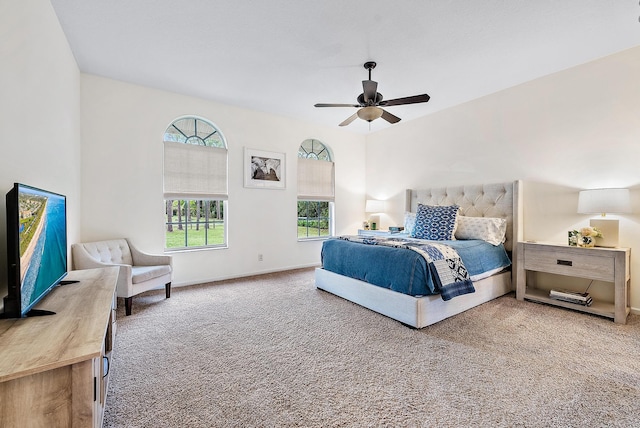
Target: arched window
x=195, y=184
x=316, y=184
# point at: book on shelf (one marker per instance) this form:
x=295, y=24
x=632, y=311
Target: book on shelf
x=574, y=301
x=568, y=293
x=571, y=297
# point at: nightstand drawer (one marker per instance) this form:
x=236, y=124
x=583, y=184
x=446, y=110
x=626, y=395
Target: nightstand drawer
x=570, y=263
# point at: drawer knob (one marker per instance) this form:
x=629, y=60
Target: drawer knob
x=565, y=262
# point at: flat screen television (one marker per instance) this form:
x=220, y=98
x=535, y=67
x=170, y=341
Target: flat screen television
x=36, y=247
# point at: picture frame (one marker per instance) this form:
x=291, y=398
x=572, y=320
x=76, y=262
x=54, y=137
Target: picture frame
x=264, y=169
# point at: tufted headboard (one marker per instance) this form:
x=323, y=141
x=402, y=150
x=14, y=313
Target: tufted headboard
x=480, y=200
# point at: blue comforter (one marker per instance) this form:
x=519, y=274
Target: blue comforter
x=404, y=270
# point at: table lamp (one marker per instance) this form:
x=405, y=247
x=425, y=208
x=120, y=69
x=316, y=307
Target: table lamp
x=375, y=207
x=603, y=201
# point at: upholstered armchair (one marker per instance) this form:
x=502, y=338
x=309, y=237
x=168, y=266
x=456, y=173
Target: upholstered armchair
x=139, y=271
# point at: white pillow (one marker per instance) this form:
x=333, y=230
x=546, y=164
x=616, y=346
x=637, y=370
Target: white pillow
x=492, y=230
x=409, y=222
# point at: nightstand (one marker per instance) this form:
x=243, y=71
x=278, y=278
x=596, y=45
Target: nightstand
x=363, y=232
x=600, y=264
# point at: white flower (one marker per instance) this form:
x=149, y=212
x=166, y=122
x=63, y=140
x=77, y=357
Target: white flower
x=593, y=232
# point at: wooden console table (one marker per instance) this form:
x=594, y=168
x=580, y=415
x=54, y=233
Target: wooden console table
x=54, y=368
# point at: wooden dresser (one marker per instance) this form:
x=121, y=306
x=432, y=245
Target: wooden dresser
x=54, y=369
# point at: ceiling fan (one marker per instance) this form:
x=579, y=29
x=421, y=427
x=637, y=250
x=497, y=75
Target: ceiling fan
x=371, y=102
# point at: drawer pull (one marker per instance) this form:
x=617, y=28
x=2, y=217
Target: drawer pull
x=565, y=262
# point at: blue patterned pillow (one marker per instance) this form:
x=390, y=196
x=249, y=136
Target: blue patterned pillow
x=436, y=223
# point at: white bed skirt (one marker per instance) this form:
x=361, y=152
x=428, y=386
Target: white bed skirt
x=416, y=312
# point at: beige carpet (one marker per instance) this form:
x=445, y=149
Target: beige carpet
x=273, y=351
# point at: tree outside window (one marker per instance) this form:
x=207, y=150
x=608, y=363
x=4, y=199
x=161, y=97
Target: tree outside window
x=314, y=219
x=194, y=223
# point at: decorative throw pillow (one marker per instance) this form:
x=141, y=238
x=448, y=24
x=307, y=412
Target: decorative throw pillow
x=492, y=230
x=409, y=222
x=436, y=223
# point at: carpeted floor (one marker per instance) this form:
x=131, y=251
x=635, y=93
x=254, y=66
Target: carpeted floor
x=273, y=351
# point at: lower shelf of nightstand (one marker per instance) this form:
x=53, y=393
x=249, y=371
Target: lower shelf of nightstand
x=598, y=308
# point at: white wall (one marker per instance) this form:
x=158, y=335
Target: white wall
x=573, y=130
x=39, y=110
x=122, y=130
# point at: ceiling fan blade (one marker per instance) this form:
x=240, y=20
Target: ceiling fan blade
x=349, y=119
x=390, y=117
x=336, y=105
x=406, y=100
x=370, y=90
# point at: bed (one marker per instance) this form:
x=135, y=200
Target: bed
x=498, y=200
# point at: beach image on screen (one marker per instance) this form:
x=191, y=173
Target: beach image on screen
x=43, y=246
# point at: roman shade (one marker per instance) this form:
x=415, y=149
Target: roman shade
x=194, y=172
x=316, y=180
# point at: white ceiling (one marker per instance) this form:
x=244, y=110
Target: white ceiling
x=283, y=56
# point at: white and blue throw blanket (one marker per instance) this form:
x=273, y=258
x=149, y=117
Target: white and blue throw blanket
x=445, y=264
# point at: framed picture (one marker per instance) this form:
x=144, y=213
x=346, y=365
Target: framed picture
x=264, y=170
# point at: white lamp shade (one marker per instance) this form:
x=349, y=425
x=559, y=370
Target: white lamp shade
x=374, y=206
x=604, y=201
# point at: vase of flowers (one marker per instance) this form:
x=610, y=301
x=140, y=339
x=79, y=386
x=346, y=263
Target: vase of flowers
x=587, y=236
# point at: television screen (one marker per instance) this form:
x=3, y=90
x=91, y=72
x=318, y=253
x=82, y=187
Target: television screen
x=37, y=246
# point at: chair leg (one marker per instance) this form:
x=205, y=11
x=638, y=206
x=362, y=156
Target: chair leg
x=127, y=305
x=167, y=288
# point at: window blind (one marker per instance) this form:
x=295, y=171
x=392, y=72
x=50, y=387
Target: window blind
x=316, y=180
x=194, y=172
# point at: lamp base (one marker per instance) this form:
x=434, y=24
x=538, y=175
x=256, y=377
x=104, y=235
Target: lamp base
x=609, y=229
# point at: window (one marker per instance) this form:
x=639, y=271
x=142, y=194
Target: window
x=195, y=185
x=315, y=190
x=314, y=219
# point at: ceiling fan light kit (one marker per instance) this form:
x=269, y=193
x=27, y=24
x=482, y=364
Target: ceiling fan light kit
x=369, y=113
x=370, y=102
